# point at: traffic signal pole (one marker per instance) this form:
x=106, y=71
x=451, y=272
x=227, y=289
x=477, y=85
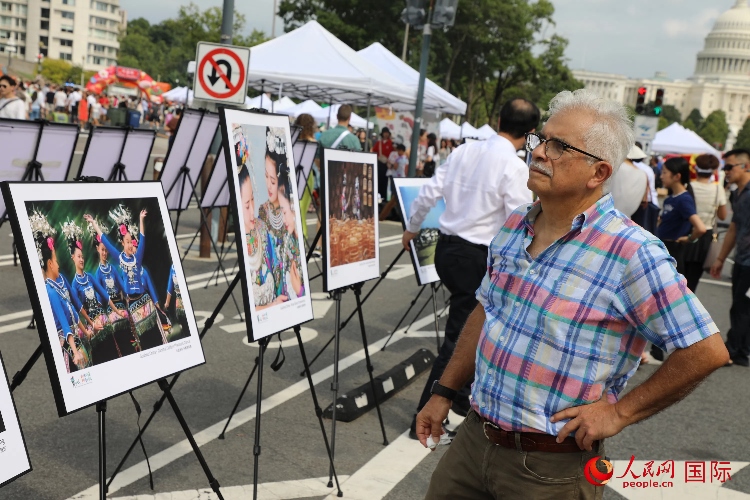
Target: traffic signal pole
x=426, y=36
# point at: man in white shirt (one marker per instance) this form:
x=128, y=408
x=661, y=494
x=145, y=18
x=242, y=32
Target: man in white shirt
x=629, y=186
x=10, y=105
x=482, y=183
x=60, y=99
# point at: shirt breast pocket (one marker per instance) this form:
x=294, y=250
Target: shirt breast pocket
x=578, y=320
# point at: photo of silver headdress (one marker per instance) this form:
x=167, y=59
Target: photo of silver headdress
x=123, y=221
x=44, y=233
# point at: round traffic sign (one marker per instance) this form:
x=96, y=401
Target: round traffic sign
x=221, y=66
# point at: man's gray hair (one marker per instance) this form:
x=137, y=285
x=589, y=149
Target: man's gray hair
x=610, y=137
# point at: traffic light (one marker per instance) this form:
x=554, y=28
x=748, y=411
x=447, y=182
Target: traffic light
x=659, y=102
x=444, y=13
x=640, y=103
x=414, y=14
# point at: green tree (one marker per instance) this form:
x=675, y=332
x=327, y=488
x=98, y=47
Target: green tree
x=696, y=117
x=663, y=123
x=743, y=137
x=714, y=129
x=56, y=70
x=688, y=124
x=163, y=50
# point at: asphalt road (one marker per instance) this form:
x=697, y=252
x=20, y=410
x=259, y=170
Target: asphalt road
x=710, y=424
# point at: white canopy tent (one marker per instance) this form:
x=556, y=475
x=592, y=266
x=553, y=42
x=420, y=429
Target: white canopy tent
x=434, y=96
x=485, y=131
x=312, y=63
x=355, y=121
x=449, y=129
x=309, y=106
x=467, y=130
x=262, y=101
x=677, y=139
x=178, y=95
x=283, y=103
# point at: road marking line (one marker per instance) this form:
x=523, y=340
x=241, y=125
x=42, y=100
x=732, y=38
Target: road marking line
x=220, y=279
x=716, y=282
x=209, y=434
x=16, y=315
x=15, y=326
x=301, y=488
x=400, y=271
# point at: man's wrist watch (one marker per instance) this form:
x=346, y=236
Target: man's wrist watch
x=443, y=391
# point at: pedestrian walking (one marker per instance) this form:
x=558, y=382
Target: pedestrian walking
x=481, y=183
x=573, y=290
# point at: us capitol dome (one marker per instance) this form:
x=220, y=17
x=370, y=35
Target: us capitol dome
x=721, y=78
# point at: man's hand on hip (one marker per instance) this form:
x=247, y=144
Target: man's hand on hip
x=430, y=419
x=408, y=236
x=590, y=422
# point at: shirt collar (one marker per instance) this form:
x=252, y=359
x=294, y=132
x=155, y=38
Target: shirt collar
x=503, y=141
x=589, y=217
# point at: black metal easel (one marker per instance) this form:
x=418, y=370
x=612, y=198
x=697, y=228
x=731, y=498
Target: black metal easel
x=118, y=170
x=433, y=287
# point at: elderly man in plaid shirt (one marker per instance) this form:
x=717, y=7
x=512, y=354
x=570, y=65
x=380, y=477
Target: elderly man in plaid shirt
x=573, y=292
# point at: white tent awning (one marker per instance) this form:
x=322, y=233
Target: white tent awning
x=467, y=130
x=262, y=101
x=677, y=139
x=435, y=97
x=309, y=106
x=449, y=129
x=312, y=63
x=485, y=131
x=282, y=103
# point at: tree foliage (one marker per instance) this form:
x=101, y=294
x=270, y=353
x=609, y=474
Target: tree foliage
x=695, y=117
x=743, y=137
x=163, y=50
x=59, y=71
x=714, y=129
x=688, y=124
x=492, y=53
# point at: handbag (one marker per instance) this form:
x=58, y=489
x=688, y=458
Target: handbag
x=714, y=247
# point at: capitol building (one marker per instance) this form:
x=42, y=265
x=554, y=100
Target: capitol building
x=721, y=79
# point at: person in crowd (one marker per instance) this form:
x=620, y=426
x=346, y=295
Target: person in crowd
x=421, y=152
x=444, y=150
x=93, y=299
x=362, y=138
x=432, y=156
x=340, y=134
x=49, y=98
x=70, y=330
x=710, y=204
x=679, y=223
x=109, y=279
x=629, y=187
x=647, y=214
x=737, y=168
x=171, y=125
x=141, y=304
x=83, y=111
x=74, y=100
x=307, y=122
x=37, y=105
x=61, y=100
x=572, y=291
x=10, y=105
x=481, y=183
x=383, y=148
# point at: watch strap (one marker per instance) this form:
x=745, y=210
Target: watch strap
x=443, y=391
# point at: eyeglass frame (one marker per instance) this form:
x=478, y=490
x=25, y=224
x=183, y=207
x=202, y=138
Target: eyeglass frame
x=565, y=146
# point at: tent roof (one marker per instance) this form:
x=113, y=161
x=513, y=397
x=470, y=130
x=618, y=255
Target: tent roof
x=282, y=103
x=435, y=97
x=449, y=129
x=677, y=139
x=178, y=95
x=309, y=106
x=467, y=130
x=262, y=101
x=310, y=62
x=322, y=115
x=485, y=131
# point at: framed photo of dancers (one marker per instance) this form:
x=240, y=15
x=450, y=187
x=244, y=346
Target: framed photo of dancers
x=423, y=246
x=350, y=237
x=14, y=457
x=267, y=221
x=106, y=285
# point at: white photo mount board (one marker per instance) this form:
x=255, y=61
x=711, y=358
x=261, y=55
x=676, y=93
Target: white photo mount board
x=14, y=457
x=221, y=73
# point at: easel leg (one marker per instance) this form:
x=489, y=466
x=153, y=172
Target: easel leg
x=434, y=308
x=335, y=382
x=414, y=301
x=357, y=291
x=258, y=400
x=164, y=386
x=318, y=410
x=416, y=315
x=157, y=406
x=19, y=377
x=242, y=393
x=101, y=410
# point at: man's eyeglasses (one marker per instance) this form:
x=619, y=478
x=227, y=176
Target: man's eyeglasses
x=553, y=148
x=730, y=166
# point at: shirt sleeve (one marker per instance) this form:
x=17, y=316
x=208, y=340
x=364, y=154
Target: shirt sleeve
x=687, y=207
x=653, y=297
x=170, y=283
x=516, y=191
x=103, y=295
x=722, y=196
x=429, y=194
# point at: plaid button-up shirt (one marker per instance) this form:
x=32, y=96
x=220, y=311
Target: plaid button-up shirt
x=569, y=327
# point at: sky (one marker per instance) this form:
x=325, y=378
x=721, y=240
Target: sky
x=635, y=38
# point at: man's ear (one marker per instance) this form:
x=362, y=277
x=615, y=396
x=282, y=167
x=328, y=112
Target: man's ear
x=603, y=171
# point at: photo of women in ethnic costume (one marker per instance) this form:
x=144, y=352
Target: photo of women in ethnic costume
x=269, y=215
x=109, y=277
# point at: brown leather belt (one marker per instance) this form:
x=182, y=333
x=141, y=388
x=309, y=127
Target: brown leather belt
x=529, y=441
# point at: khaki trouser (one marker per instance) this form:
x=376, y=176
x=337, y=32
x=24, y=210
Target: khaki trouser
x=473, y=468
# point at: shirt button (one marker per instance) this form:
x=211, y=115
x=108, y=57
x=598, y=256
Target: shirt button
x=516, y=304
x=501, y=339
x=483, y=405
x=532, y=271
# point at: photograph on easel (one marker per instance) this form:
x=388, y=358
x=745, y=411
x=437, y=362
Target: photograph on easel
x=351, y=218
x=14, y=457
x=104, y=274
x=423, y=246
x=265, y=203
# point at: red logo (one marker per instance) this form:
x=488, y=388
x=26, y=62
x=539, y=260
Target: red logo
x=593, y=470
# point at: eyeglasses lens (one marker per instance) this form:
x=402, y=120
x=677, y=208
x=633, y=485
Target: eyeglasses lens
x=532, y=142
x=554, y=150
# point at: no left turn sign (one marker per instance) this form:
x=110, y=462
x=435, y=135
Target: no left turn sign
x=221, y=73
